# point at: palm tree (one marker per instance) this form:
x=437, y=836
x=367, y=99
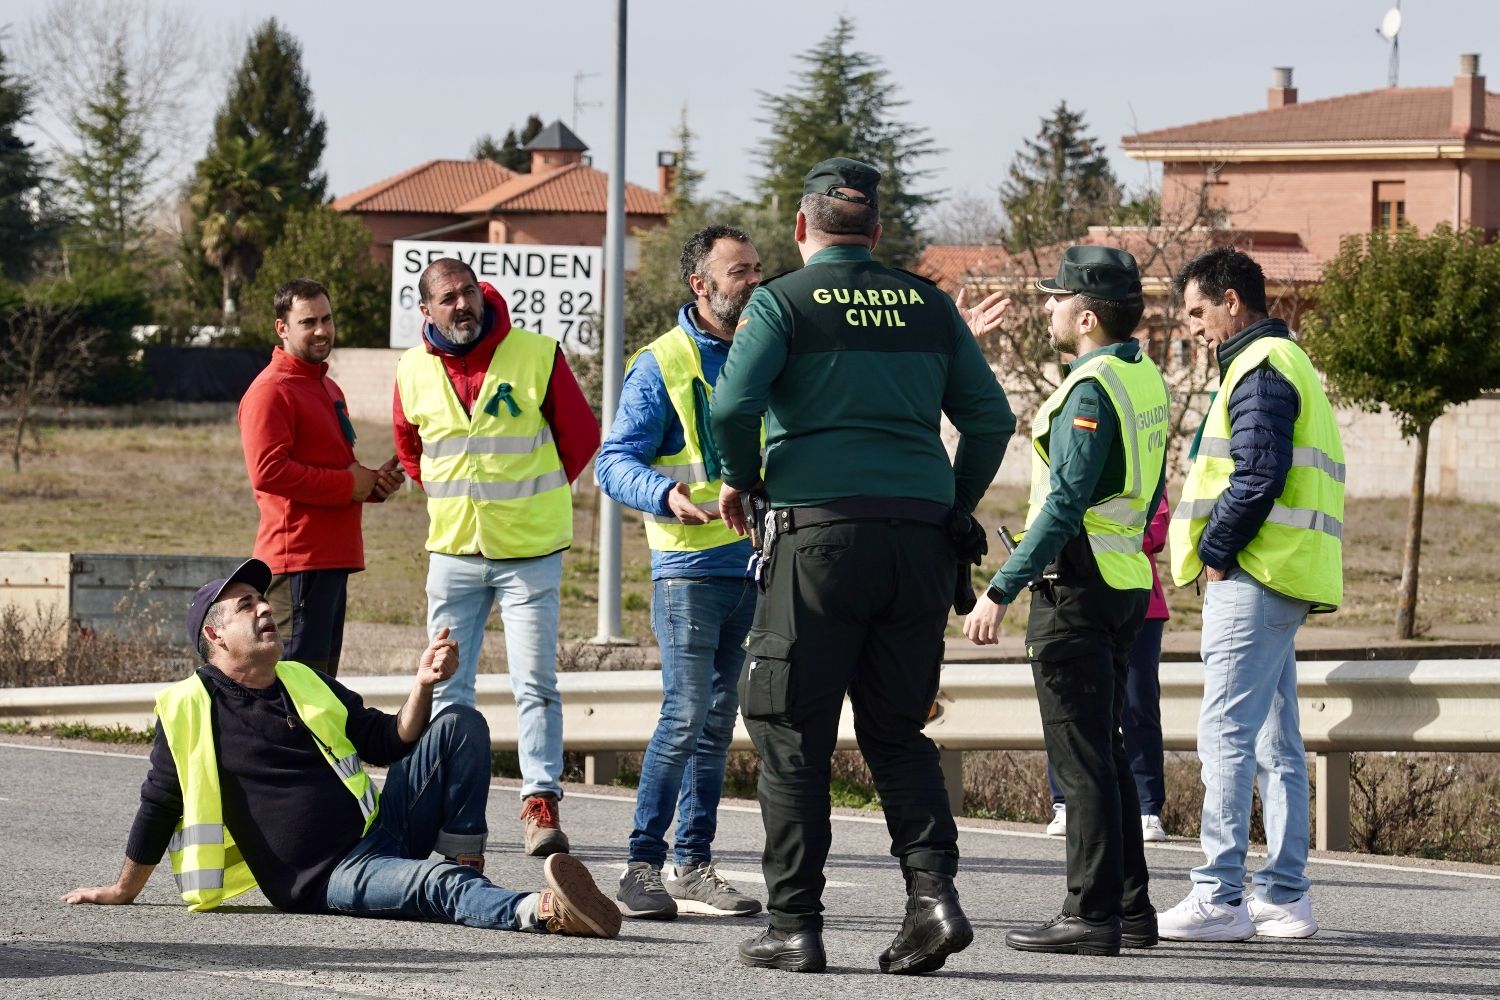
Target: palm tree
x=240, y=184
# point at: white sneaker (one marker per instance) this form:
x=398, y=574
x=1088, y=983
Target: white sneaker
x=1195, y=919
x=1059, y=825
x=1283, y=920
x=1152, y=831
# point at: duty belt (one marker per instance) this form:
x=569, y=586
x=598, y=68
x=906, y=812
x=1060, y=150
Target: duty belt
x=792, y=519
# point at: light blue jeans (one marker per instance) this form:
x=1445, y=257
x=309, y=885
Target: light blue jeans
x=700, y=625
x=461, y=590
x=433, y=800
x=1249, y=731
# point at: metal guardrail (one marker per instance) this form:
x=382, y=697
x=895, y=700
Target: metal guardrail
x=1358, y=705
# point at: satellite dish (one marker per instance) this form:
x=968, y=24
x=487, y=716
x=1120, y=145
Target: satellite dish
x=1390, y=24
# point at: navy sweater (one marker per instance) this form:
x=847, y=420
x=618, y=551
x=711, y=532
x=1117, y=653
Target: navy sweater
x=291, y=816
x=1262, y=411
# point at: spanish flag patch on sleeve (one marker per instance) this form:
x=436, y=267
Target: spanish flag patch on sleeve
x=1086, y=423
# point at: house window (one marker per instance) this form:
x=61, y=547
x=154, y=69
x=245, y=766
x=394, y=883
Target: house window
x=1390, y=205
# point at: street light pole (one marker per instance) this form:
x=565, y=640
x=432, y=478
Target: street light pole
x=614, y=344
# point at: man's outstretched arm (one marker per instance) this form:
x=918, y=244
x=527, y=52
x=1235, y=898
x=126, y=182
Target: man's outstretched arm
x=132, y=880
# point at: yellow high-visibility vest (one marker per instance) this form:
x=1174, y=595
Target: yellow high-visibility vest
x=1299, y=550
x=1115, y=525
x=681, y=371
x=206, y=862
x=495, y=483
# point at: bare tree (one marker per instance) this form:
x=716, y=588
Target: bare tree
x=46, y=354
x=73, y=45
x=966, y=219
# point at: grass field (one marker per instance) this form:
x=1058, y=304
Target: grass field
x=182, y=489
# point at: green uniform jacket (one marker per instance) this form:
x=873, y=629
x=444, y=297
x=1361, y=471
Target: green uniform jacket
x=853, y=364
x=1087, y=465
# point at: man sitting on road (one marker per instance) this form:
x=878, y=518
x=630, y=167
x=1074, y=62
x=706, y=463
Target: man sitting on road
x=257, y=777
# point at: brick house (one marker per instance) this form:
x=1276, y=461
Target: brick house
x=1325, y=169
x=562, y=201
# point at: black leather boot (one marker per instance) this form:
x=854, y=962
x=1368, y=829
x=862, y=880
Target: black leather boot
x=934, y=928
x=800, y=951
x=1138, y=930
x=1069, y=935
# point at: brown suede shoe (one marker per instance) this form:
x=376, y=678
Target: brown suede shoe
x=539, y=825
x=474, y=861
x=574, y=904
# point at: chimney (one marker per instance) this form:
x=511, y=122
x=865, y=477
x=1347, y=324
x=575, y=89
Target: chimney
x=1468, y=95
x=666, y=173
x=1282, y=92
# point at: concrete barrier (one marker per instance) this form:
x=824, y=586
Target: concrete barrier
x=1359, y=705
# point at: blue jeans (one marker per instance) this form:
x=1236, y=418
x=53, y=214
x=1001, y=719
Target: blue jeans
x=700, y=625
x=1249, y=729
x=1140, y=722
x=461, y=590
x=433, y=800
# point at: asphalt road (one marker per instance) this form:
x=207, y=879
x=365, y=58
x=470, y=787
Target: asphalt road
x=1390, y=929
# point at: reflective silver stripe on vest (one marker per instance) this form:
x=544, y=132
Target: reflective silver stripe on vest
x=348, y=767
x=453, y=488
x=367, y=802
x=201, y=878
x=1120, y=396
x=1287, y=517
x=1122, y=511
x=1304, y=456
x=1129, y=545
x=711, y=507
x=692, y=472
x=1306, y=518
x=493, y=445
x=198, y=833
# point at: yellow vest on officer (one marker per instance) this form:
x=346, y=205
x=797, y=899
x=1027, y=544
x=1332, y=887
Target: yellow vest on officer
x=206, y=862
x=1116, y=525
x=682, y=373
x=495, y=483
x=1299, y=549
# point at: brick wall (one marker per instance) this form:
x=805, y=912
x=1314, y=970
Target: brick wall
x=1461, y=461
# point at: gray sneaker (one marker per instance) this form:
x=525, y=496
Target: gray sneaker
x=641, y=894
x=701, y=889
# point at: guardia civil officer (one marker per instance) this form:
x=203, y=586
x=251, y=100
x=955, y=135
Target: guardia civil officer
x=1098, y=447
x=853, y=363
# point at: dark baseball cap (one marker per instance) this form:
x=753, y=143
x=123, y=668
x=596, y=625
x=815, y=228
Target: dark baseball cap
x=841, y=172
x=252, y=571
x=1103, y=272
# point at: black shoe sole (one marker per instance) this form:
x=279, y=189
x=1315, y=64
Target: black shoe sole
x=951, y=938
x=1150, y=940
x=1102, y=949
x=787, y=961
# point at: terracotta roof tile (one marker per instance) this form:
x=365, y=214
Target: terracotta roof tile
x=437, y=186
x=1406, y=114
x=574, y=188
x=949, y=263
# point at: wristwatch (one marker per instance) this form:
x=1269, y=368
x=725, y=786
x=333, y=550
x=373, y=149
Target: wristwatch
x=997, y=595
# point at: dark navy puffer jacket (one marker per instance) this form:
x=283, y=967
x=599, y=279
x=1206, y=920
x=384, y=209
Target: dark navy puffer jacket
x=1262, y=411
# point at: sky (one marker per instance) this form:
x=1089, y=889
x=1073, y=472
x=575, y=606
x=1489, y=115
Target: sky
x=398, y=86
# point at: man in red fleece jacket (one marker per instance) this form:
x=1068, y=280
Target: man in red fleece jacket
x=492, y=424
x=299, y=450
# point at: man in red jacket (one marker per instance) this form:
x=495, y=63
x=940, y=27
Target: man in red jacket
x=299, y=450
x=492, y=424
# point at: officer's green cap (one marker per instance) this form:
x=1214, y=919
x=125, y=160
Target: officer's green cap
x=1103, y=272
x=841, y=172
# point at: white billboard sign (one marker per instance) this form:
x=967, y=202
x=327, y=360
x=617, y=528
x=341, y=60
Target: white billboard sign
x=549, y=289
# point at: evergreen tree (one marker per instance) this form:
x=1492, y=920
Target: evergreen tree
x=843, y=104
x=24, y=228
x=510, y=151
x=333, y=248
x=1410, y=324
x=107, y=180
x=688, y=177
x=1059, y=184
x=270, y=97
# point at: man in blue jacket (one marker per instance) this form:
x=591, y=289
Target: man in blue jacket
x=660, y=459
